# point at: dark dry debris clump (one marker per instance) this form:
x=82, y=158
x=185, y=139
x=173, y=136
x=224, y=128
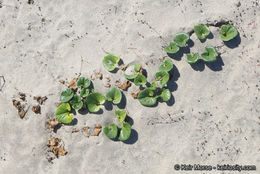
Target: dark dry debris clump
x=22, y=96
x=40, y=99
x=56, y=147
x=20, y=108
x=125, y=85
x=36, y=109
x=53, y=124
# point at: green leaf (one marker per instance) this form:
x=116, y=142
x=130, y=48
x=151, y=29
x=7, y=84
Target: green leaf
x=192, y=58
x=83, y=82
x=181, y=39
x=84, y=92
x=120, y=114
x=125, y=132
x=210, y=54
x=110, y=61
x=167, y=65
x=165, y=95
x=163, y=77
x=146, y=97
x=63, y=114
x=152, y=86
x=66, y=95
x=140, y=80
x=111, y=131
x=132, y=71
x=76, y=102
x=94, y=100
x=171, y=48
x=201, y=31
x=228, y=32
x=114, y=94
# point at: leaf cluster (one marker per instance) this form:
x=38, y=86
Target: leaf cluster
x=74, y=99
x=210, y=54
x=180, y=40
x=121, y=130
x=134, y=72
x=84, y=97
x=202, y=31
x=150, y=95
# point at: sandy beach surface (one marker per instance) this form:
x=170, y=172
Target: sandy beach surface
x=213, y=117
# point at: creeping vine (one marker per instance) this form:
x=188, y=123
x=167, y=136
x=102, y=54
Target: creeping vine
x=85, y=97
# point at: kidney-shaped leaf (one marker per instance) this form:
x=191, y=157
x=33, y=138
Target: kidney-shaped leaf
x=171, y=48
x=66, y=95
x=163, y=77
x=63, y=114
x=76, y=102
x=94, y=100
x=111, y=131
x=84, y=92
x=210, y=54
x=181, y=39
x=167, y=65
x=132, y=71
x=165, y=95
x=114, y=94
x=228, y=32
x=140, y=80
x=110, y=61
x=120, y=114
x=83, y=82
x=192, y=58
x=125, y=132
x=147, y=98
x=201, y=31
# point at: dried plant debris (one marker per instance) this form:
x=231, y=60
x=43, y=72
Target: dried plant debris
x=16, y=103
x=93, y=131
x=53, y=124
x=40, y=99
x=86, y=131
x=108, y=79
x=97, y=130
x=123, y=67
x=21, y=111
x=99, y=75
x=73, y=83
x=22, y=96
x=92, y=77
x=141, y=70
x=75, y=130
x=56, y=146
x=36, y=109
x=134, y=95
x=62, y=81
x=96, y=75
x=125, y=85
x=108, y=85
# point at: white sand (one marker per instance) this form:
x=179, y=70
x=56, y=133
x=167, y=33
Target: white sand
x=215, y=116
